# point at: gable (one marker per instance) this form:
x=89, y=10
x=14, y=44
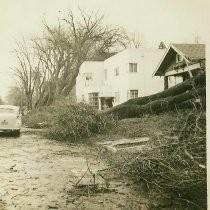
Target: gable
x=166, y=61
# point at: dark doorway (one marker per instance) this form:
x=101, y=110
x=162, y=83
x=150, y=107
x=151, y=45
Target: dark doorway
x=106, y=102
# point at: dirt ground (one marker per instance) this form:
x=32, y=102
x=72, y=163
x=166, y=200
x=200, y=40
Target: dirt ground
x=39, y=173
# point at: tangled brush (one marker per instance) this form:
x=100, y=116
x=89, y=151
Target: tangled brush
x=176, y=164
x=76, y=122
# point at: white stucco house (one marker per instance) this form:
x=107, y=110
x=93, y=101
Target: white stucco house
x=125, y=75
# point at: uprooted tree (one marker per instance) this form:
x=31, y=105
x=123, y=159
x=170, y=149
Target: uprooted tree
x=48, y=65
x=188, y=94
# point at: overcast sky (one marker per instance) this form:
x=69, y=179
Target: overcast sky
x=158, y=20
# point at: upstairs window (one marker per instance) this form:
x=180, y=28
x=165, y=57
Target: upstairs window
x=94, y=100
x=132, y=67
x=116, y=71
x=132, y=94
x=88, y=76
x=88, y=79
x=179, y=58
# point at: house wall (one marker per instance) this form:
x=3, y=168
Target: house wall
x=141, y=80
x=174, y=80
x=83, y=87
x=122, y=82
x=152, y=84
x=176, y=77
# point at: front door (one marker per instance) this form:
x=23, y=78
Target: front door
x=106, y=102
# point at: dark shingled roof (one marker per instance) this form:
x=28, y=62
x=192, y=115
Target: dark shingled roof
x=192, y=51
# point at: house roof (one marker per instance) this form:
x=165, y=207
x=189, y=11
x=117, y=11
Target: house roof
x=190, y=53
x=102, y=56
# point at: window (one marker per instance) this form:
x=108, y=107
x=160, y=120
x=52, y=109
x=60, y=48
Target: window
x=117, y=96
x=93, y=100
x=88, y=79
x=88, y=76
x=132, y=67
x=132, y=94
x=179, y=58
x=116, y=71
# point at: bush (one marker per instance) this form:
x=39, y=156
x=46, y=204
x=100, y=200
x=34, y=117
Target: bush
x=39, y=117
x=78, y=121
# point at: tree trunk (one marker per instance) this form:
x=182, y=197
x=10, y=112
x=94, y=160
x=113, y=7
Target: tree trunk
x=128, y=110
x=195, y=82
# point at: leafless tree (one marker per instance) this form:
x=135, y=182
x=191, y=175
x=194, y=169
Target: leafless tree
x=197, y=38
x=60, y=52
x=26, y=70
x=136, y=40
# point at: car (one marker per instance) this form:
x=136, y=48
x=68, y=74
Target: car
x=10, y=119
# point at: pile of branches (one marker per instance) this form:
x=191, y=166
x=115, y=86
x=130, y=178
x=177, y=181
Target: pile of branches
x=176, y=164
x=77, y=122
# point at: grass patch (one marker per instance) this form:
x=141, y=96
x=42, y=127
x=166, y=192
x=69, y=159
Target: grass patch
x=149, y=125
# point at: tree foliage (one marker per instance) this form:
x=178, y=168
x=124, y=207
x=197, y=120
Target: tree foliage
x=162, y=45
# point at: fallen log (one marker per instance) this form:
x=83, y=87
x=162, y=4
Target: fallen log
x=193, y=104
x=194, y=82
x=161, y=105
x=171, y=102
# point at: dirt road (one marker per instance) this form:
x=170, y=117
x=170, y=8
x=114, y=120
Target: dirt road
x=37, y=173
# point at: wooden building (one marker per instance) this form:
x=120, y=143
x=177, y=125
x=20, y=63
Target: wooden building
x=180, y=62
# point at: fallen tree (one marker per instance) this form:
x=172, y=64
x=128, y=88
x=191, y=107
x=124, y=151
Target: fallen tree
x=189, y=94
x=190, y=99
x=194, y=82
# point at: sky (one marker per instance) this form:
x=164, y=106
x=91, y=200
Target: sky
x=177, y=21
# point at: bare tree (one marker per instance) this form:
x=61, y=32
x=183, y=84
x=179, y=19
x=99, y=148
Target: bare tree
x=26, y=70
x=197, y=39
x=59, y=53
x=136, y=40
